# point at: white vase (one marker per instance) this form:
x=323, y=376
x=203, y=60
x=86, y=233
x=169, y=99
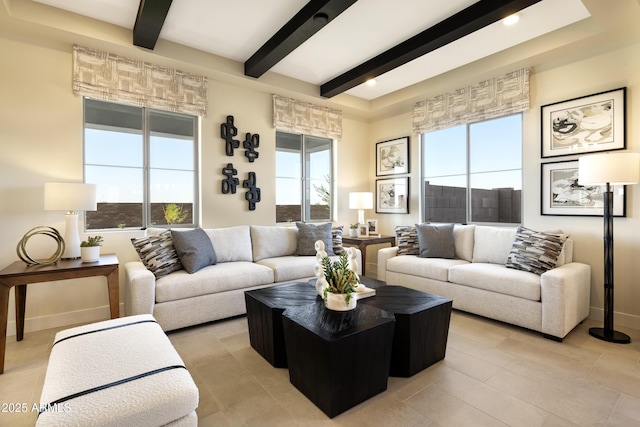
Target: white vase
x=90, y=253
x=337, y=302
x=353, y=232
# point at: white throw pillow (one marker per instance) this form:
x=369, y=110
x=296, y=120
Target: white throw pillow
x=463, y=241
x=271, y=241
x=493, y=244
x=231, y=243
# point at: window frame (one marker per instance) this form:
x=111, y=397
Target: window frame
x=146, y=167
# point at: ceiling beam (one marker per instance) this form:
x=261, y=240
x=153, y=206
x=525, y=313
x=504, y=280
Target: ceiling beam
x=149, y=22
x=465, y=22
x=308, y=21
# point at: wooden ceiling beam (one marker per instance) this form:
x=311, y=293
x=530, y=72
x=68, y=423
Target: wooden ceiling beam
x=308, y=21
x=149, y=22
x=463, y=23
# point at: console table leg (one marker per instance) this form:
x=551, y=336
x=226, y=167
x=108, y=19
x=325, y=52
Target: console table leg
x=114, y=294
x=4, y=313
x=21, y=299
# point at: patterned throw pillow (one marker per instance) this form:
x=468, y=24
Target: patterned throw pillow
x=336, y=237
x=407, y=238
x=158, y=254
x=534, y=251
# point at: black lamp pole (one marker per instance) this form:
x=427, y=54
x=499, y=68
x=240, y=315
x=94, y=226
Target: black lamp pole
x=607, y=333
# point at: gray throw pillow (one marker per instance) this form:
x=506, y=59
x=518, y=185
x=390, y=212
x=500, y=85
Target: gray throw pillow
x=436, y=241
x=194, y=249
x=158, y=254
x=534, y=251
x=309, y=233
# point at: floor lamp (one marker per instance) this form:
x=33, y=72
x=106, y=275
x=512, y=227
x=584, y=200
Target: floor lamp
x=70, y=197
x=609, y=169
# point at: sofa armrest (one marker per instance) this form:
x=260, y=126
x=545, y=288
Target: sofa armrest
x=383, y=255
x=565, y=295
x=140, y=289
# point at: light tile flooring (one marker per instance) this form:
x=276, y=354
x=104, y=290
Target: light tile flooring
x=493, y=375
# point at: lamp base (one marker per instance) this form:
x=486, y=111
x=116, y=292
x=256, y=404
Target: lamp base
x=610, y=336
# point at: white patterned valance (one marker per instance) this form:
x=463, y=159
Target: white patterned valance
x=110, y=77
x=303, y=117
x=496, y=97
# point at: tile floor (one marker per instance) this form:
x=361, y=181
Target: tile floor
x=493, y=375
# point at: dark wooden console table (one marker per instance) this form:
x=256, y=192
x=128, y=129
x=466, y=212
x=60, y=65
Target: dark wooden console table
x=363, y=242
x=19, y=275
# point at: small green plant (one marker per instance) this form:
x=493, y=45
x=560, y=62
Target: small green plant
x=354, y=226
x=174, y=214
x=340, y=278
x=91, y=241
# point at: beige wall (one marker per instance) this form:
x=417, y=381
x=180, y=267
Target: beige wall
x=41, y=140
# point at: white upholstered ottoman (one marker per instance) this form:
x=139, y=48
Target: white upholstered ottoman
x=121, y=372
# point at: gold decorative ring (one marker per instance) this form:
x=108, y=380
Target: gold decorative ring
x=47, y=231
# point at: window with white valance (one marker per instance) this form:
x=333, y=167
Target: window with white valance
x=496, y=97
x=109, y=77
x=305, y=118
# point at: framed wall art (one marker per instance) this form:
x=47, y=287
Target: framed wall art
x=584, y=125
x=561, y=194
x=392, y=157
x=392, y=195
x=373, y=226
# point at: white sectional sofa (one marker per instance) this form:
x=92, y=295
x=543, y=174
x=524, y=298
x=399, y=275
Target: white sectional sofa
x=478, y=280
x=246, y=257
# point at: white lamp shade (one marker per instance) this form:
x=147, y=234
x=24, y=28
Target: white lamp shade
x=612, y=168
x=361, y=200
x=69, y=196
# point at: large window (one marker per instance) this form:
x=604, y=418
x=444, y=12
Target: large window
x=144, y=164
x=303, y=178
x=473, y=173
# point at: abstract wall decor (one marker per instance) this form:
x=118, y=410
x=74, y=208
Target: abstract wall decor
x=227, y=132
x=230, y=183
x=250, y=143
x=253, y=192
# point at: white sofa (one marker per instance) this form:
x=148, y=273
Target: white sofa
x=478, y=281
x=248, y=257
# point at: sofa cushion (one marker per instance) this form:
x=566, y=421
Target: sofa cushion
x=308, y=234
x=221, y=277
x=288, y=268
x=492, y=244
x=497, y=278
x=435, y=241
x=231, y=243
x=194, y=249
x=158, y=254
x=430, y=268
x=463, y=241
x=336, y=237
x=535, y=251
x=270, y=241
x=407, y=240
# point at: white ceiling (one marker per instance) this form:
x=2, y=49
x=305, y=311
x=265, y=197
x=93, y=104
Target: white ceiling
x=236, y=29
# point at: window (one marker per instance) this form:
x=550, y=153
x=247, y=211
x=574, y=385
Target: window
x=473, y=172
x=144, y=164
x=303, y=178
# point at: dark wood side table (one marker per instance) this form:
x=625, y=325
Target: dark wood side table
x=363, y=242
x=19, y=275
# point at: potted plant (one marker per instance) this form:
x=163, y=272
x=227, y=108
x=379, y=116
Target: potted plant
x=90, y=249
x=338, y=282
x=353, y=230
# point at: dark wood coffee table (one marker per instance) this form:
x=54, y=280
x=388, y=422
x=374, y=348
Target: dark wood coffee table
x=338, y=359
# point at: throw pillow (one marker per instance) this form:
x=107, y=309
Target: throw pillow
x=534, y=251
x=336, y=237
x=309, y=233
x=194, y=249
x=407, y=239
x=436, y=241
x=492, y=244
x=158, y=254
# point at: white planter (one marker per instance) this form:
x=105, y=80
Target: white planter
x=337, y=302
x=353, y=232
x=90, y=253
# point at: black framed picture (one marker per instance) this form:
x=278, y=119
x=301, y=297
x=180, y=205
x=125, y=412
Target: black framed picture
x=561, y=194
x=584, y=125
x=392, y=157
x=392, y=195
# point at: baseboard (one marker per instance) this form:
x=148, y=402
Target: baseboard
x=619, y=319
x=62, y=319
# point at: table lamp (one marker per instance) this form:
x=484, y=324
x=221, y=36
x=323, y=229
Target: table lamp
x=70, y=197
x=361, y=201
x=609, y=169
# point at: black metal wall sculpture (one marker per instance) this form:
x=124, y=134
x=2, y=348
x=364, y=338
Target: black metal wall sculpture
x=230, y=183
x=253, y=193
x=251, y=142
x=227, y=132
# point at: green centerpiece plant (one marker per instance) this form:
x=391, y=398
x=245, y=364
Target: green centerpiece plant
x=340, y=279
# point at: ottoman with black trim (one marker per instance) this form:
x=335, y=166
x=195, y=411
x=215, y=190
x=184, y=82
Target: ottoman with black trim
x=118, y=372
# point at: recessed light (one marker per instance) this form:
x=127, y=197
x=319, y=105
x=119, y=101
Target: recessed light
x=371, y=82
x=511, y=19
